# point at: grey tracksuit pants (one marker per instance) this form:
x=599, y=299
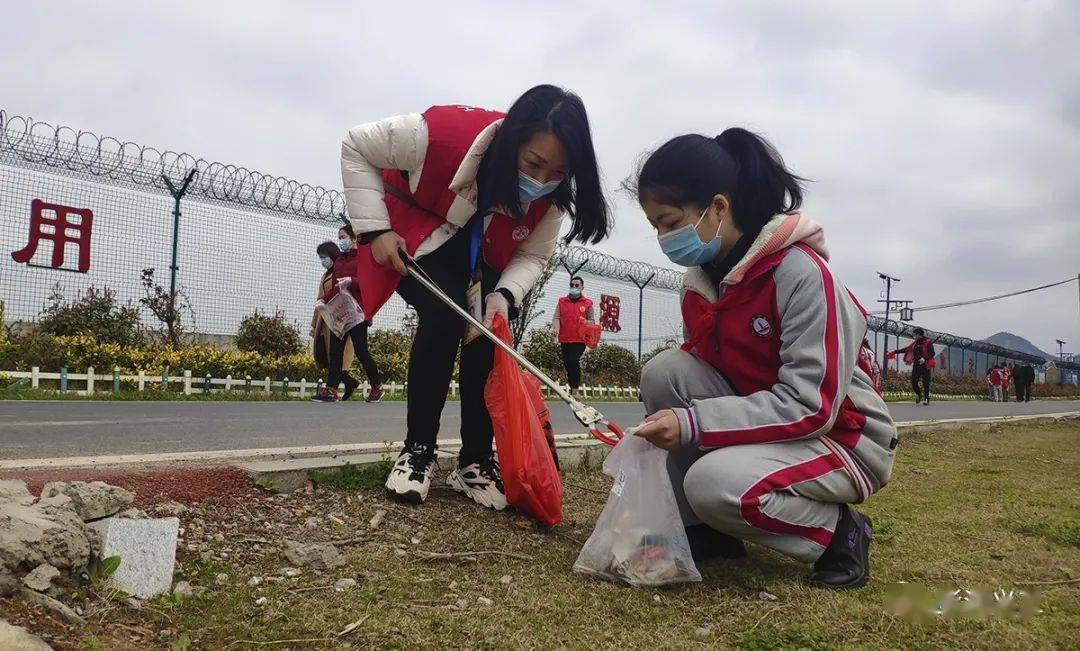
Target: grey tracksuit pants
x=782, y=495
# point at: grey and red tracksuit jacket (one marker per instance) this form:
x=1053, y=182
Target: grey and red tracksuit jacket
x=786, y=334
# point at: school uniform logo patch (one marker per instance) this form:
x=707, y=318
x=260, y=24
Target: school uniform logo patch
x=761, y=326
x=520, y=233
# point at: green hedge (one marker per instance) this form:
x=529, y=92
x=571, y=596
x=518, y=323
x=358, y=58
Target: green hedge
x=51, y=353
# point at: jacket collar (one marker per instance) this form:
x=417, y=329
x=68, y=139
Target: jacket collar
x=781, y=232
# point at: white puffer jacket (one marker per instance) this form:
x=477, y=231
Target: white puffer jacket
x=400, y=143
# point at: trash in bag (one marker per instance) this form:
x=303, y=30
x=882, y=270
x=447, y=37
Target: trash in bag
x=590, y=332
x=639, y=537
x=341, y=314
x=530, y=478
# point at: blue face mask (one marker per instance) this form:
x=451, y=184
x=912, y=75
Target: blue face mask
x=326, y=262
x=684, y=247
x=530, y=189
x=344, y=244
x=575, y=292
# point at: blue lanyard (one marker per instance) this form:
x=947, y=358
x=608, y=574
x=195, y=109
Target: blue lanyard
x=474, y=243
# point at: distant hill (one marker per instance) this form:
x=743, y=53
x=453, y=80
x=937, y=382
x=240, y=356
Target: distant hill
x=1016, y=342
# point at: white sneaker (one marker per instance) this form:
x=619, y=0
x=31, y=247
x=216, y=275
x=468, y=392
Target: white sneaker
x=481, y=483
x=410, y=478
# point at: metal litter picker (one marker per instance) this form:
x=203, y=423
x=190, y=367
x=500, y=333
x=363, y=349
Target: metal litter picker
x=588, y=416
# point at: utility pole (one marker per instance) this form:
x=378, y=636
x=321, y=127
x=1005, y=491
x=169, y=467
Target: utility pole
x=1061, y=352
x=889, y=280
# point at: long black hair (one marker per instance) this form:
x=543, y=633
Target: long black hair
x=548, y=108
x=690, y=170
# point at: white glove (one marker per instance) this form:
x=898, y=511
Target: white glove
x=495, y=303
x=342, y=283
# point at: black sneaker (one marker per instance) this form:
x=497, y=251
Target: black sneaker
x=480, y=482
x=707, y=544
x=846, y=561
x=325, y=394
x=351, y=384
x=410, y=478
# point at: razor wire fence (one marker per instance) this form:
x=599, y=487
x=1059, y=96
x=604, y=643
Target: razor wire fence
x=245, y=241
x=81, y=211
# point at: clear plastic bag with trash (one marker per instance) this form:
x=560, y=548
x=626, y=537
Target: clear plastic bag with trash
x=639, y=537
x=341, y=314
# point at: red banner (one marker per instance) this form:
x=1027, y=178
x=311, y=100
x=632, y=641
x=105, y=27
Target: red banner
x=609, y=313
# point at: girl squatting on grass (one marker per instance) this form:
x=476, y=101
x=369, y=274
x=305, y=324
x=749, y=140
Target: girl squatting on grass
x=773, y=427
x=477, y=197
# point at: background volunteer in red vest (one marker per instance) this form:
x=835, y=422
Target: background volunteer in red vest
x=342, y=271
x=769, y=412
x=569, y=312
x=477, y=197
x=920, y=355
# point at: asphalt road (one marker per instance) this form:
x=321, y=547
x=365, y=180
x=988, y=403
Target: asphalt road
x=50, y=429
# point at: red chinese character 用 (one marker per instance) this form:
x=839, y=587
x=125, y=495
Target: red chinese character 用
x=61, y=224
x=609, y=313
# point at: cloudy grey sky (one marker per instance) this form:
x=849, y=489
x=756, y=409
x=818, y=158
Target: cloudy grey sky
x=943, y=137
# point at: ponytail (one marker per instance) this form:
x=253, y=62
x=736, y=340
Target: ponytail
x=692, y=169
x=764, y=187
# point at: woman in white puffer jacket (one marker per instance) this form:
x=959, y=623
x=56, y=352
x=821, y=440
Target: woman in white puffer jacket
x=478, y=198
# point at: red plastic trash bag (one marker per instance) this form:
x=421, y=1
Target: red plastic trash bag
x=529, y=474
x=591, y=333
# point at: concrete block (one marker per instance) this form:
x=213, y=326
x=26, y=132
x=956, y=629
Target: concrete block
x=17, y=638
x=147, y=551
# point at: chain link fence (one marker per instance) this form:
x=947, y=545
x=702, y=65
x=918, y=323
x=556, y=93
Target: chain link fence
x=83, y=211
x=78, y=210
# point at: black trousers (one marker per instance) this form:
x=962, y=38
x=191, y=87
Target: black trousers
x=919, y=372
x=1023, y=391
x=571, y=357
x=335, y=374
x=439, y=333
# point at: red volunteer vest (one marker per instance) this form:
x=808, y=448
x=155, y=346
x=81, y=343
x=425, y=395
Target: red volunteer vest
x=739, y=335
x=570, y=315
x=451, y=132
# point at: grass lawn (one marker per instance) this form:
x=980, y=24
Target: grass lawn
x=991, y=508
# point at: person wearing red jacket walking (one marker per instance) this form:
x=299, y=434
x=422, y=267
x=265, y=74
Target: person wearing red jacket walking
x=993, y=381
x=342, y=271
x=570, y=312
x=920, y=356
x=477, y=198
x=771, y=418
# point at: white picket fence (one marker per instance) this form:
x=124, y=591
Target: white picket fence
x=94, y=383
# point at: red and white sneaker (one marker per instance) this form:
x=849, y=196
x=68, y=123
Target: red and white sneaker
x=325, y=394
x=375, y=394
